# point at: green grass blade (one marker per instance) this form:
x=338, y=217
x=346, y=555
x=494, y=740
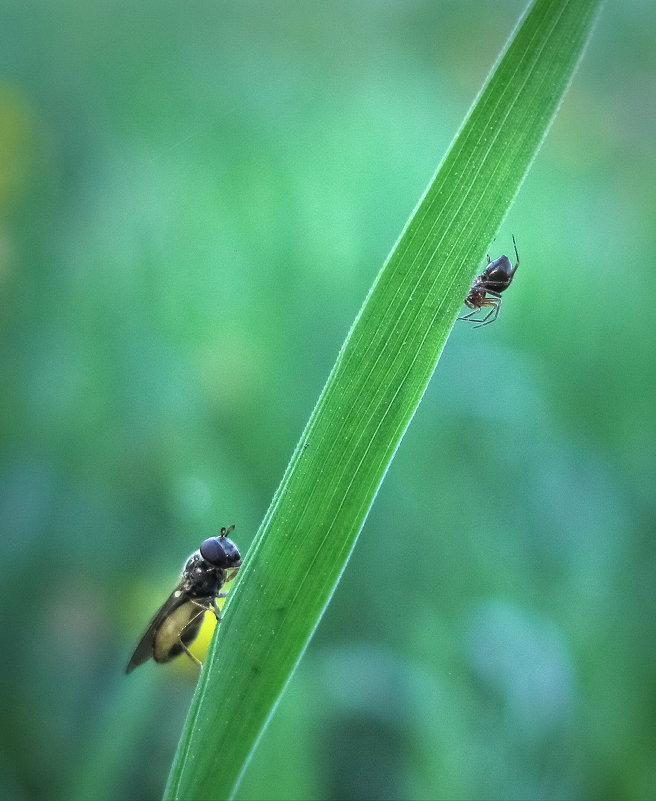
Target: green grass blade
x=369, y=399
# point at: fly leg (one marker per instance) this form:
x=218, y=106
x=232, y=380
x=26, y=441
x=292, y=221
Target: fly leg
x=198, y=663
x=215, y=608
x=202, y=608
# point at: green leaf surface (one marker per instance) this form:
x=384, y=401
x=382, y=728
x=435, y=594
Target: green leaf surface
x=374, y=388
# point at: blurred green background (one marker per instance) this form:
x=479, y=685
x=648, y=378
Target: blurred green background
x=194, y=200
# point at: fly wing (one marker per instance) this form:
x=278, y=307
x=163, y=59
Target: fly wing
x=144, y=650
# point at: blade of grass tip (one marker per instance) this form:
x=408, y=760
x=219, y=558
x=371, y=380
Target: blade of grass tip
x=380, y=374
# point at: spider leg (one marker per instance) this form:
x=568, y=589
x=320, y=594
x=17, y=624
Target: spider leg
x=470, y=314
x=494, y=302
x=492, y=315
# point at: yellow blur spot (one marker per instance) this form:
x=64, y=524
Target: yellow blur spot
x=16, y=140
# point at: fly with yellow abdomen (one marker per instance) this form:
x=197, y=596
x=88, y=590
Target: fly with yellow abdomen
x=177, y=622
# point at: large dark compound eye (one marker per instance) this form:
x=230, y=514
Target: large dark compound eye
x=220, y=552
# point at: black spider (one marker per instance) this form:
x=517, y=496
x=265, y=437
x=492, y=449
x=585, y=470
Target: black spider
x=496, y=277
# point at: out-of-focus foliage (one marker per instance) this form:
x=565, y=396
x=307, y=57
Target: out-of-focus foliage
x=163, y=343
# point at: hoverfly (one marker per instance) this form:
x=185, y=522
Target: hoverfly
x=178, y=621
x=494, y=279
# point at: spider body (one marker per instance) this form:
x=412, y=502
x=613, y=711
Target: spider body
x=496, y=278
